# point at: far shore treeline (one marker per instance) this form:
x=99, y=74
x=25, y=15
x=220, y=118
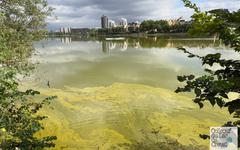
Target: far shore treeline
x=146, y=27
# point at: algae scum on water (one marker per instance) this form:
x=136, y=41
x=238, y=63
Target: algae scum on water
x=103, y=117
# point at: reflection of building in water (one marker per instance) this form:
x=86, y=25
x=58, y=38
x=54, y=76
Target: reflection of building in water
x=123, y=45
x=66, y=40
x=118, y=44
x=114, y=45
x=136, y=44
x=105, y=46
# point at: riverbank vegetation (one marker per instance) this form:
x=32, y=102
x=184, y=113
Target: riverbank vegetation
x=222, y=75
x=22, y=23
x=164, y=26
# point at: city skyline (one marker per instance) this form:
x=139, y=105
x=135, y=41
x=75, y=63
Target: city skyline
x=86, y=13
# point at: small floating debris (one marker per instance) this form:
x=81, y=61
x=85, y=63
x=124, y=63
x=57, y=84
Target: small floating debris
x=116, y=39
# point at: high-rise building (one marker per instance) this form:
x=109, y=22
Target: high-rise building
x=104, y=22
x=172, y=22
x=65, y=30
x=111, y=24
x=123, y=22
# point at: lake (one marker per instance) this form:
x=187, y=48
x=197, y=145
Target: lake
x=118, y=91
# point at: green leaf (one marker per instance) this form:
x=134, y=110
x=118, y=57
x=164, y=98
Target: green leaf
x=197, y=92
x=191, y=77
x=220, y=102
x=212, y=101
x=191, y=56
x=181, y=78
x=231, y=109
x=224, y=95
x=200, y=105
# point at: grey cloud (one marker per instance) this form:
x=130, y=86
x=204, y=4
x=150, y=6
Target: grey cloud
x=87, y=13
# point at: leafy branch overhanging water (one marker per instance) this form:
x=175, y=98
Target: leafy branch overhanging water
x=21, y=22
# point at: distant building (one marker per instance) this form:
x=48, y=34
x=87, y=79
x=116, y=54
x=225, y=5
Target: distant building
x=181, y=21
x=104, y=22
x=137, y=24
x=80, y=31
x=123, y=22
x=134, y=26
x=111, y=24
x=65, y=30
x=172, y=22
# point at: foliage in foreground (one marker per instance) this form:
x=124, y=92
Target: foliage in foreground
x=215, y=86
x=21, y=23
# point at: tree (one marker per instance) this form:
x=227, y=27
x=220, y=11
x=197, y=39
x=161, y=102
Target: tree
x=180, y=27
x=215, y=86
x=22, y=22
x=118, y=30
x=148, y=26
x=163, y=26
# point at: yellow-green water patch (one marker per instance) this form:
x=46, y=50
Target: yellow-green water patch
x=102, y=117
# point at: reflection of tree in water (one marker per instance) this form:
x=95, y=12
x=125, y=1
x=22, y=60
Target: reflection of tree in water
x=146, y=42
x=105, y=46
x=159, y=42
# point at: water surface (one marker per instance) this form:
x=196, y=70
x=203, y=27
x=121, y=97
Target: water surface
x=150, y=61
x=110, y=90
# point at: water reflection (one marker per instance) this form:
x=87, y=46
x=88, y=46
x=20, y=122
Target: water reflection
x=107, y=46
x=146, y=42
x=154, y=61
x=66, y=40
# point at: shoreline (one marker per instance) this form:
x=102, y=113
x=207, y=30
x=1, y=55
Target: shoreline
x=164, y=35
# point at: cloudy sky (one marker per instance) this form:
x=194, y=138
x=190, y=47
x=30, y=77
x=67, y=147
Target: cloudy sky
x=87, y=13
